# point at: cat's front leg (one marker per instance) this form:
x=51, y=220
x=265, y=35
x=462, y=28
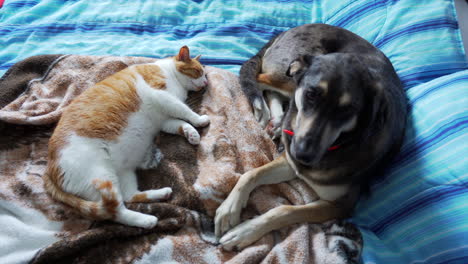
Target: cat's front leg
x=180, y=127
x=176, y=109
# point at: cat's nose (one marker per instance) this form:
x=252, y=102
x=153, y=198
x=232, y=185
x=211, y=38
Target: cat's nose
x=205, y=83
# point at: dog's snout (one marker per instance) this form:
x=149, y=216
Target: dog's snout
x=301, y=153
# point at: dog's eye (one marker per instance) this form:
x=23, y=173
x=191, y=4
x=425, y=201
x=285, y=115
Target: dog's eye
x=312, y=94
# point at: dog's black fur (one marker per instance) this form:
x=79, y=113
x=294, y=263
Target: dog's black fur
x=365, y=151
x=342, y=91
x=348, y=63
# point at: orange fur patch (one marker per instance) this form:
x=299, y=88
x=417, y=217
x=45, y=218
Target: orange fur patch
x=181, y=131
x=139, y=198
x=192, y=68
x=267, y=79
x=111, y=204
x=101, y=111
x=104, y=185
x=152, y=75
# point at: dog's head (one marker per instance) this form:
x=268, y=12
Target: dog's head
x=330, y=98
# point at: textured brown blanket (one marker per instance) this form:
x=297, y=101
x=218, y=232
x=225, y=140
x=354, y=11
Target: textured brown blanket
x=33, y=94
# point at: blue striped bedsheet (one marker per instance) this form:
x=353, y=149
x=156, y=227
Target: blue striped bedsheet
x=418, y=210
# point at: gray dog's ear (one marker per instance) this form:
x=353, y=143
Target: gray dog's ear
x=299, y=65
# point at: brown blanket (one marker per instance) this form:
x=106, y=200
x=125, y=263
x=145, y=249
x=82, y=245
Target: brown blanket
x=33, y=94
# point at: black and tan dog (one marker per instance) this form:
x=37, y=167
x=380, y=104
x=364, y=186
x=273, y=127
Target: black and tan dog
x=347, y=111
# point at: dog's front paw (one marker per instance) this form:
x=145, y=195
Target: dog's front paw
x=228, y=213
x=202, y=121
x=261, y=111
x=243, y=235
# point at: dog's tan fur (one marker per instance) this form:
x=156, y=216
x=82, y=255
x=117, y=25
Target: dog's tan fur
x=274, y=172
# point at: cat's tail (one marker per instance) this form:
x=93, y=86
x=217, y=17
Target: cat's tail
x=104, y=209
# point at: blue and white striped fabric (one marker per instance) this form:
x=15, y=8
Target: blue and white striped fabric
x=418, y=212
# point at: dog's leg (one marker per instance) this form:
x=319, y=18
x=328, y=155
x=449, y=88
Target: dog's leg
x=261, y=111
x=276, y=112
x=228, y=214
x=252, y=230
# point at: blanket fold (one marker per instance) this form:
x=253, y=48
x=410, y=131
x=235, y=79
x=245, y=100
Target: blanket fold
x=34, y=94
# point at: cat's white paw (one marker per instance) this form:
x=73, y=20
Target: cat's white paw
x=152, y=159
x=148, y=221
x=203, y=121
x=261, y=111
x=192, y=136
x=133, y=218
x=159, y=194
x=145, y=221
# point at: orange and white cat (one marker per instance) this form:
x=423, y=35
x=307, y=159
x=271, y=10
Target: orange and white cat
x=107, y=132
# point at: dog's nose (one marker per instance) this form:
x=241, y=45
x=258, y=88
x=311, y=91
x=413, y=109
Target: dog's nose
x=299, y=152
x=303, y=157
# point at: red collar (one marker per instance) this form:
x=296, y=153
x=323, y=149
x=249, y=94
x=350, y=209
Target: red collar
x=291, y=133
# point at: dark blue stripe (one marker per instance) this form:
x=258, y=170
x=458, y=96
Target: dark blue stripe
x=359, y=12
x=424, y=200
x=138, y=28
x=421, y=144
x=6, y=66
x=438, y=87
x=20, y=4
x=459, y=260
x=212, y=61
x=409, y=151
x=425, y=76
x=205, y=61
x=286, y=1
x=423, y=26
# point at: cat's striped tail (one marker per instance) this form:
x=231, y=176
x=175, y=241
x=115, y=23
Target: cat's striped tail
x=106, y=208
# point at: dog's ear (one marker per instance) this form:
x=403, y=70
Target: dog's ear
x=377, y=107
x=299, y=65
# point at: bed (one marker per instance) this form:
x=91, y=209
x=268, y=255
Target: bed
x=417, y=211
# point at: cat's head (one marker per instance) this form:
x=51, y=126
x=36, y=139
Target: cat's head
x=192, y=70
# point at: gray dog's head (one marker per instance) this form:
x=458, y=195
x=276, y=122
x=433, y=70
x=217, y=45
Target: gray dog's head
x=330, y=99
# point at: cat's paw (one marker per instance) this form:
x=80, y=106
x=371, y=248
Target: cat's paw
x=191, y=134
x=261, y=111
x=203, y=121
x=159, y=194
x=133, y=218
x=274, y=129
x=146, y=221
x=152, y=159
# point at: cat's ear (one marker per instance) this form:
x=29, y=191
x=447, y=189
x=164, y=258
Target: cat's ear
x=197, y=57
x=184, y=54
